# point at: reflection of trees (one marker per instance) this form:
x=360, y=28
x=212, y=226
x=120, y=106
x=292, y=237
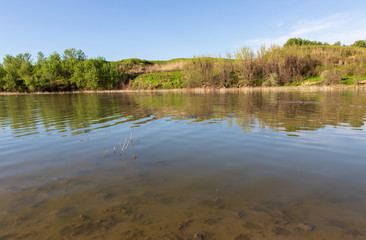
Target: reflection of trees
x=279, y=110
x=68, y=112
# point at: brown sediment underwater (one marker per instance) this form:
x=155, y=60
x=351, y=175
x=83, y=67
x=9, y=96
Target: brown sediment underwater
x=261, y=164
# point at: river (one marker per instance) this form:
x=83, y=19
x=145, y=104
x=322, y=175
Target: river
x=256, y=164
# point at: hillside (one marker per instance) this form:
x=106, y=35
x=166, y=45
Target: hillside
x=291, y=65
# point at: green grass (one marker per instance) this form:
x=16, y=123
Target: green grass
x=174, y=80
x=349, y=80
x=312, y=80
x=307, y=81
x=158, y=80
x=159, y=62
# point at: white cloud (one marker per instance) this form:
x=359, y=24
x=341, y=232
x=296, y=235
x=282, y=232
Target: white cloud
x=343, y=27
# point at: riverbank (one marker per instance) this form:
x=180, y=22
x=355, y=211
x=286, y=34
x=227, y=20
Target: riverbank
x=267, y=67
x=203, y=90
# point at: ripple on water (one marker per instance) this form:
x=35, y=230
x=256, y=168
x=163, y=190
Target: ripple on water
x=256, y=165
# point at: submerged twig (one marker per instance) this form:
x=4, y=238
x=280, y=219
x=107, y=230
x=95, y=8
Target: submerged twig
x=126, y=145
x=123, y=148
x=124, y=161
x=131, y=140
x=133, y=150
x=127, y=156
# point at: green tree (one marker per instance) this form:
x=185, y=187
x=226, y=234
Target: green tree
x=78, y=77
x=26, y=70
x=49, y=71
x=11, y=73
x=2, y=75
x=302, y=42
x=18, y=72
x=359, y=43
x=40, y=81
x=111, y=75
x=92, y=73
x=70, y=59
x=95, y=74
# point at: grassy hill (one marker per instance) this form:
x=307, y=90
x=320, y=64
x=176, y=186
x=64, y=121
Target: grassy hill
x=295, y=64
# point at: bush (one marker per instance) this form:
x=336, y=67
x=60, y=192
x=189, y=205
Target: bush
x=134, y=65
x=333, y=76
x=159, y=80
x=271, y=81
x=200, y=72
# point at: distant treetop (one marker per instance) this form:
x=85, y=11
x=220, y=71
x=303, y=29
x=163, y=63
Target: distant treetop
x=359, y=43
x=302, y=42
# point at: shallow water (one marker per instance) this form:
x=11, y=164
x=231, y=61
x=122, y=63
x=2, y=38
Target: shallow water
x=234, y=165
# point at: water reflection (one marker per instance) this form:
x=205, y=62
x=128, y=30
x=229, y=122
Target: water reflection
x=289, y=111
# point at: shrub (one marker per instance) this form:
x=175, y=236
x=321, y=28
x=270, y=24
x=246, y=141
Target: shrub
x=272, y=80
x=333, y=76
x=200, y=72
x=159, y=80
x=134, y=65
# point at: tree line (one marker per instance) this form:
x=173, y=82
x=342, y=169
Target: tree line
x=303, y=42
x=69, y=71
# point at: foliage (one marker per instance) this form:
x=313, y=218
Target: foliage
x=271, y=81
x=359, y=43
x=296, y=63
x=17, y=72
x=276, y=65
x=302, y=42
x=72, y=71
x=2, y=75
x=94, y=74
x=333, y=76
x=128, y=64
x=158, y=80
x=210, y=72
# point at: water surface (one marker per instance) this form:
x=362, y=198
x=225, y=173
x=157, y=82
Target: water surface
x=233, y=165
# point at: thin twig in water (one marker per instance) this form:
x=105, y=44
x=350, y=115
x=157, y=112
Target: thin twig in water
x=124, y=161
x=126, y=145
x=133, y=150
x=123, y=147
x=127, y=156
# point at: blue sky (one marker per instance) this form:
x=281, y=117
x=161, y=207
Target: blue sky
x=156, y=29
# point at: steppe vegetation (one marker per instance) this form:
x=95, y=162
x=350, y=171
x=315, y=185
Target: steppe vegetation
x=298, y=62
